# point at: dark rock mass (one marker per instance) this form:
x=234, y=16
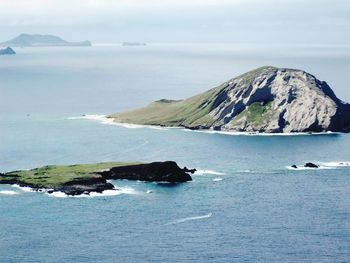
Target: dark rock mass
x=7, y=51
x=311, y=165
x=154, y=172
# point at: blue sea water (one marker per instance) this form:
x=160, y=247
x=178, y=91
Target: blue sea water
x=244, y=204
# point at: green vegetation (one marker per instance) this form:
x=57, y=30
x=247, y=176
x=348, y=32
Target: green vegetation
x=257, y=114
x=191, y=113
x=56, y=175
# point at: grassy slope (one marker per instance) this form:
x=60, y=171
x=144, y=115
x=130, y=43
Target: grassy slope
x=257, y=114
x=55, y=175
x=192, y=112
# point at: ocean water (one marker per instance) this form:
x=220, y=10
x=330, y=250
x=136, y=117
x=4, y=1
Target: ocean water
x=245, y=204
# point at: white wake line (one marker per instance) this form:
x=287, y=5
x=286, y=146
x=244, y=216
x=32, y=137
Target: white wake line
x=104, y=120
x=182, y=220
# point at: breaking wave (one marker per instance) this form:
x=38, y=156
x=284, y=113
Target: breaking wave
x=208, y=172
x=8, y=192
x=118, y=191
x=322, y=166
x=105, y=120
x=335, y=164
x=217, y=179
x=232, y=133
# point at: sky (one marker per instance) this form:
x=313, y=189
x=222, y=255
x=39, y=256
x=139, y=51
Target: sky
x=208, y=21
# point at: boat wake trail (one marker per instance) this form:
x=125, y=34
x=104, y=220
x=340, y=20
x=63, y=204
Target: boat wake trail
x=182, y=220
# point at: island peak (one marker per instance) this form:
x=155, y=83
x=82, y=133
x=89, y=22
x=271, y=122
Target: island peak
x=267, y=99
x=38, y=40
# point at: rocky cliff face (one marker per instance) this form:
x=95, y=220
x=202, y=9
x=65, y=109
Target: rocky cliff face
x=267, y=99
x=279, y=100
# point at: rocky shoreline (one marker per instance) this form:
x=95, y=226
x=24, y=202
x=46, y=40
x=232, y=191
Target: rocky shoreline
x=83, y=179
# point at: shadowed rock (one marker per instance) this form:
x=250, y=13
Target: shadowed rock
x=311, y=165
x=154, y=172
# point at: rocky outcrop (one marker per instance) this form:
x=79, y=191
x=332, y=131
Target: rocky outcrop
x=306, y=165
x=84, y=179
x=268, y=99
x=7, y=51
x=152, y=172
x=84, y=186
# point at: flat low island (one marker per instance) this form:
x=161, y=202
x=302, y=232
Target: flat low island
x=86, y=178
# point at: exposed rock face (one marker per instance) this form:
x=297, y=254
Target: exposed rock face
x=154, y=172
x=267, y=99
x=86, y=185
x=7, y=51
x=280, y=100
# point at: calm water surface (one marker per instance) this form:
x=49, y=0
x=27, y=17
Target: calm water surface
x=243, y=206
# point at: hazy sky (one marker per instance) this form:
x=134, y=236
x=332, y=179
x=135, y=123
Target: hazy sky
x=254, y=21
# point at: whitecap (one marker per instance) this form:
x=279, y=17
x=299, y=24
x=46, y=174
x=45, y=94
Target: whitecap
x=105, y=193
x=23, y=188
x=58, y=194
x=335, y=164
x=8, y=192
x=112, y=192
x=217, y=179
x=182, y=220
x=302, y=168
x=208, y=172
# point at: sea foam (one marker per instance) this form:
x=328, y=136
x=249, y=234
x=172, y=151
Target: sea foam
x=8, y=192
x=323, y=166
x=208, y=172
x=103, y=119
x=118, y=191
x=110, y=121
x=217, y=179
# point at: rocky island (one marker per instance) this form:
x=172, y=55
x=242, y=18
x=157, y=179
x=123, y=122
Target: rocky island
x=86, y=178
x=7, y=51
x=268, y=99
x=36, y=40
